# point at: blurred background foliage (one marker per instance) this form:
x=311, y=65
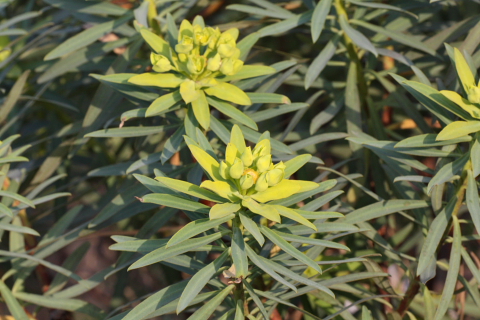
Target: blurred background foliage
x=67, y=183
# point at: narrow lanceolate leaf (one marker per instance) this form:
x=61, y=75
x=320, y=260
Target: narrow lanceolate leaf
x=163, y=103
x=229, y=92
x=163, y=253
x=429, y=140
x=267, y=211
x=382, y=208
x=233, y=112
x=249, y=71
x=17, y=197
x=463, y=70
x=156, y=301
x=162, y=80
x=434, y=235
x=221, y=210
x=293, y=215
x=206, y=311
x=318, y=18
x=473, y=200
x=196, y=227
x=312, y=241
x=358, y=38
x=190, y=189
x=86, y=37
x=202, y=110
x=159, y=45
x=199, y=280
x=288, y=248
x=453, y=269
x=447, y=172
x=252, y=227
x=475, y=156
x=175, y=202
x=261, y=263
x=293, y=165
x=13, y=305
x=4, y=210
x=239, y=254
x=320, y=62
x=458, y=129
x=255, y=298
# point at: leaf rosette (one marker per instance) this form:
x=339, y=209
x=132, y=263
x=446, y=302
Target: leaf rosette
x=198, y=66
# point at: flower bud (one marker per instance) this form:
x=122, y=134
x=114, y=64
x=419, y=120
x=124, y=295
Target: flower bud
x=226, y=50
x=214, y=63
x=275, y=176
x=262, y=148
x=247, y=157
x=214, y=35
x=246, y=182
x=231, y=66
x=231, y=153
x=200, y=35
x=236, y=170
x=474, y=94
x=263, y=163
x=223, y=170
x=160, y=63
x=185, y=45
x=196, y=64
x=262, y=183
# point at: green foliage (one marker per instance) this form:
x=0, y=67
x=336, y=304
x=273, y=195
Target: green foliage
x=169, y=128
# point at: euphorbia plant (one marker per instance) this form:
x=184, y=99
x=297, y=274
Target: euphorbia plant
x=250, y=193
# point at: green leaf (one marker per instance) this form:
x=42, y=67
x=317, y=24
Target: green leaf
x=447, y=172
x=434, y=236
x=196, y=227
x=13, y=195
x=319, y=17
x=232, y=112
x=288, y=248
x=286, y=25
x=229, y=92
x=312, y=241
x=358, y=38
x=13, y=305
x=199, y=280
x=453, y=271
x=163, y=253
x=255, y=298
x=295, y=216
x=463, y=70
x=246, y=44
x=382, y=6
x=162, y=80
x=72, y=305
x=475, y=156
x=458, y=129
x=262, y=264
x=249, y=71
x=381, y=209
x=190, y=189
x=172, y=145
x=221, y=210
x=4, y=210
x=19, y=229
x=429, y=140
x=206, y=311
x=473, y=200
x=163, y=103
x=252, y=227
x=239, y=255
x=158, y=45
x=320, y=62
x=175, y=202
x=128, y=132
x=262, y=97
x=13, y=96
x=397, y=36
x=267, y=211
x=87, y=37
x=201, y=110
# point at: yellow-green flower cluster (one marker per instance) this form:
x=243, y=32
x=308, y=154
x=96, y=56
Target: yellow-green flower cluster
x=252, y=170
x=246, y=180
x=199, y=66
